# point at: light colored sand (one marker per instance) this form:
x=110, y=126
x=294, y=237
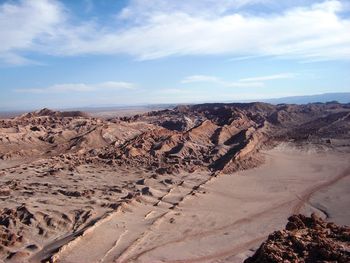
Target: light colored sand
x=225, y=217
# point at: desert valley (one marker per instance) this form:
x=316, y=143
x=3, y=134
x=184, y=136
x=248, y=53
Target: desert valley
x=197, y=183
x=178, y=131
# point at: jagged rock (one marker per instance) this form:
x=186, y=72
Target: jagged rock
x=140, y=182
x=305, y=239
x=215, y=137
x=146, y=191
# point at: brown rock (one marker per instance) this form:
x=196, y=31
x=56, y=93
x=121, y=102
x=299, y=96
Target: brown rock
x=306, y=239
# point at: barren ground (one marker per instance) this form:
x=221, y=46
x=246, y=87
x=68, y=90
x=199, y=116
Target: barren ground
x=201, y=183
x=222, y=220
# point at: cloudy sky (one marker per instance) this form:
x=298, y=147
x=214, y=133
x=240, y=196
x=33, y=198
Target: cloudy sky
x=67, y=53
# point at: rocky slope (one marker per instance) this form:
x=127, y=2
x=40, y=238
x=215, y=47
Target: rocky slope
x=226, y=137
x=305, y=239
x=218, y=137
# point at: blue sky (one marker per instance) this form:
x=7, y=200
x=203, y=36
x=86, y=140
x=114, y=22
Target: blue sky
x=62, y=54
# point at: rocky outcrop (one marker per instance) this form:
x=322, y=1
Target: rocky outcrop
x=305, y=239
x=50, y=113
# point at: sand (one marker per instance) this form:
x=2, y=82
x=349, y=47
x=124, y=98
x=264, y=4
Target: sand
x=214, y=219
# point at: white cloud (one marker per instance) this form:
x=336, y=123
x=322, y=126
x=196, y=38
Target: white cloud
x=200, y=78
x=269, y=77
x=245, y=82
x=79, y=87
x=137, y=9
x=22, y=23
x=149, y=30
x=115, y=85
x=220, y=82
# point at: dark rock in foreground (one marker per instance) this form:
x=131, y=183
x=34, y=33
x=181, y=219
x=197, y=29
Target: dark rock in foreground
x=305, y=239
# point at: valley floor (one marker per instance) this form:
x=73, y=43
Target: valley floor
x=216, y=219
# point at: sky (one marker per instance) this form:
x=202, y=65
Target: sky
x=86, y=53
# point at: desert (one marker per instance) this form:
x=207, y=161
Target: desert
x=196, y=183
x=174, y=131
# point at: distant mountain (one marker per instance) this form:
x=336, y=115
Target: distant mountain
x=326, y=97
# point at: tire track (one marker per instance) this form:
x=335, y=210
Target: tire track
x=305, y=197
x=296, y=209
x=225, y=253
x=150, y=229
x=237, y=223
x=114, y=246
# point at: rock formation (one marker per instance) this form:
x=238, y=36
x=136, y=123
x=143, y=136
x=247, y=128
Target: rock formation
x=305, y=239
